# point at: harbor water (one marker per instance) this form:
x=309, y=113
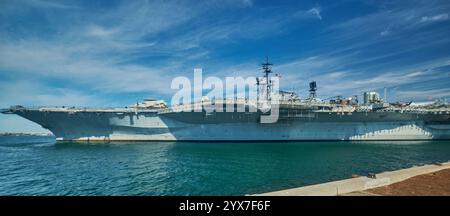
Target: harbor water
x=40, y=166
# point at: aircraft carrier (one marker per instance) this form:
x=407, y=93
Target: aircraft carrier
x=308, y=118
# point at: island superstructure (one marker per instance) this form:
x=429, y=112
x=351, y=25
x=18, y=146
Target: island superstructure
x=310, y=118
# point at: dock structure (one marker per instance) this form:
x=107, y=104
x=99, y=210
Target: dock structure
x=359, y=185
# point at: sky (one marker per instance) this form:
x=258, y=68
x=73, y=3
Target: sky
x=115, y=53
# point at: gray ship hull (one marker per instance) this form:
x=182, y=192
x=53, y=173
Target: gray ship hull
x=128, y=125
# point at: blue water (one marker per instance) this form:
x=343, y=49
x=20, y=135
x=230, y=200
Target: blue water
x=39, y=166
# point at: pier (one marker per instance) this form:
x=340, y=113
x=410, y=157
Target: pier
x=373, y=184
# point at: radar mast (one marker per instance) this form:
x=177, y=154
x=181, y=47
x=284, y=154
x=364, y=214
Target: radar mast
x=267, y=69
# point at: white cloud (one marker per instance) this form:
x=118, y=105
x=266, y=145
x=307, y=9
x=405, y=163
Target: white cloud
x=97, y=54
x=79, y=66
x=315, y=11
x=439, y=17
x=98, y=31
x=50, y=4
x=425, y=94
x=402, y=18
x=335, y=77
x=312, y=13
x=247, y=3
x=31, y=92
x=387, y=31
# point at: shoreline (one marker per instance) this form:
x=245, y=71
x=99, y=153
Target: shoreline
x=363, y=185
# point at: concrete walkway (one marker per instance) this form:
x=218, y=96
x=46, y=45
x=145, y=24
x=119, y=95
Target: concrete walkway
x=356, y=185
